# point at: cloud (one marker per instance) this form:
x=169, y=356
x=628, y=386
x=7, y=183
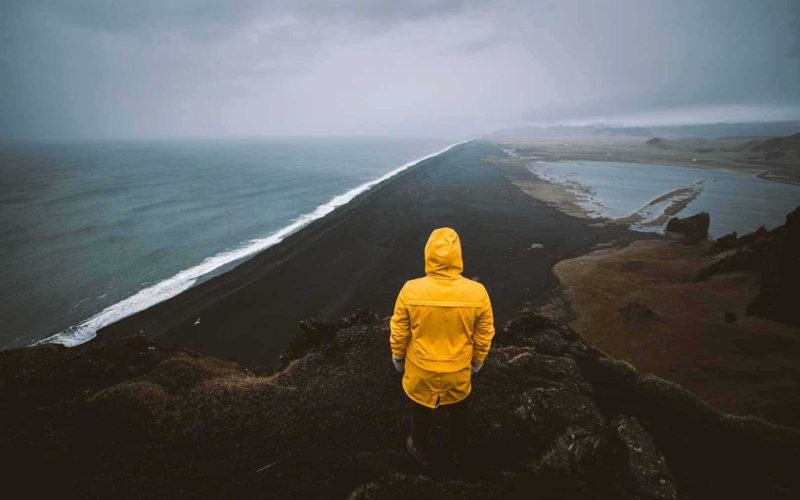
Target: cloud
x=143, y=68
x=212, y=17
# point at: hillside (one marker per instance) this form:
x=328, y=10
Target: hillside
x=718, y=317
x=551, y=416
x=770, y=156
x=699, y=130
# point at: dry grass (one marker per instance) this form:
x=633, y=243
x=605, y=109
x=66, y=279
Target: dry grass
x=237, y=384
x=748, y=365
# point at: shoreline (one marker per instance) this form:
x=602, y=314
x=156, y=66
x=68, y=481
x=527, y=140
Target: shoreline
x=769, y=176
x=732, y=154
x=185, y=279
x=573, y=195
x=359, y=255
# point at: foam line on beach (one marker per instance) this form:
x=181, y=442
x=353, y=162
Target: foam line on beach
x=170, y=287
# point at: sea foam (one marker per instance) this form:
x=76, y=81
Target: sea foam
x=170, y=287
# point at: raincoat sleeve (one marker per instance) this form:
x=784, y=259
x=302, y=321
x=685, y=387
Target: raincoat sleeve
x=400, y=328
x=483, y=333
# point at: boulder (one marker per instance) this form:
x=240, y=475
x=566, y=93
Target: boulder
x=642, y=469
x=692, y=229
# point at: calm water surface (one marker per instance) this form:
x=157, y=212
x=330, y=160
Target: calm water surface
x=736, y=201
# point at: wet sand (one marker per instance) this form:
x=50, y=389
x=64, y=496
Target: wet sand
x=360, y=255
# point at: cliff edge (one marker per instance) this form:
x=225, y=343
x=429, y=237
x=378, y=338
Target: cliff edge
x=552, y=416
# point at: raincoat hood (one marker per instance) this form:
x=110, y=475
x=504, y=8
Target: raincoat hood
x=442, y=326
x=443, y=254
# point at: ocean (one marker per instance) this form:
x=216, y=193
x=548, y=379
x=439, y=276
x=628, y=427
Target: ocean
x=736, y=201
x=92, y=232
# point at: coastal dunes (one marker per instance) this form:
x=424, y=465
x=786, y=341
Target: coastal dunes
x=360, y=255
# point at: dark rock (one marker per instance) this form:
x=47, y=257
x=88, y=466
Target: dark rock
x=731, y=317
x=550, y=341
x=750, y=257
x=780, y=274
x=730, y=241
x=541, y=333
x=744, y=260
x=705, y=450
x=775, y=256
x=554, y=408
x=634, y=311
x=724, y=243
x=316, y=332
x=550, y=416
x=756, y=235
x=693, y=229
x=575, y=452
x=642, y=469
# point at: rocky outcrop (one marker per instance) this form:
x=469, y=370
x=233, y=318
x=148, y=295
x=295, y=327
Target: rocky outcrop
x=315, y=332
x=551, y=417
x=692, y=229
x=780, y=275
x=731, y=241
x=775, y=256
x=740, y=256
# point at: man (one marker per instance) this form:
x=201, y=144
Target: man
x=441, y=332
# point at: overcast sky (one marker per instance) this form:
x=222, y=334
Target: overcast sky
x=207, y=68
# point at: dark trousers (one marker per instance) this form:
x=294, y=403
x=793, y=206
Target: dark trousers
x=422, y=421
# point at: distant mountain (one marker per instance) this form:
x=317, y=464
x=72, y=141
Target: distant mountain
x=705, y=130
x=658, y=142
x=777, y=143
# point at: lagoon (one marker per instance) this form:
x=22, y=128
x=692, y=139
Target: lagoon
x=736, y=201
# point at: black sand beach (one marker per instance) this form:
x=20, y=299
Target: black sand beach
x=360, y=255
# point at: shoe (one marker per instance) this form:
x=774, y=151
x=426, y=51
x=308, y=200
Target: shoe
x=415, y=452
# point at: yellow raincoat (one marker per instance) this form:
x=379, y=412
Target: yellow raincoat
x=442, y=324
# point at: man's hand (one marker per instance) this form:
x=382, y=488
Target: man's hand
x=476, y=368
x=399, y=363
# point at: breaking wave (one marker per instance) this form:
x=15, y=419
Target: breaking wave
x=170, y=287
